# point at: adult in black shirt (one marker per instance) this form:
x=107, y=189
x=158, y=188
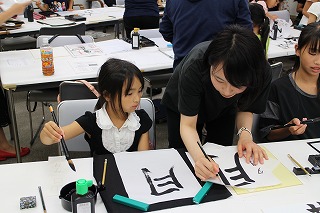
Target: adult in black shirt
x=218, y=84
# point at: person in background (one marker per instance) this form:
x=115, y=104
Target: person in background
x=55, y=5
x=186, y=23
x=296, y=97
x=314, y=12
x=116, y=126
x=218, y=84
x=143, y=14
x=260, y=25
x=266, y=4
x=299, y=9
x=305, y=17
x=6, y=149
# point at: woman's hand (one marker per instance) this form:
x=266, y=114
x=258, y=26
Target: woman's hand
x=205, y=169
x=252, y=150
x=51, y=133
x=299, y=128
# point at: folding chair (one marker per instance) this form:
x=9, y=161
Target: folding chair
x=147, y=105
x=276, y=70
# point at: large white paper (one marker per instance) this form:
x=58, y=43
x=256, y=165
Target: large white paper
x=156, y=176
x=236, y=172
x=84, y=50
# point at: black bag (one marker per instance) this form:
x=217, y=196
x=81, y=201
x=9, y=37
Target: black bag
x=161, y=111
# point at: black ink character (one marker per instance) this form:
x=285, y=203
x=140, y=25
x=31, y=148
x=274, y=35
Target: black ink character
x=313, y=208
x=166, y=180
x=242, y=174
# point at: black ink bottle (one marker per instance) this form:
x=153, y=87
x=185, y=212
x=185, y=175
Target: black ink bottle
x=275, y=30
x=135, y=39
x=82, y=200
x=30, y=12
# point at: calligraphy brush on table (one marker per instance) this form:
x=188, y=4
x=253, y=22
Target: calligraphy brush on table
x=63, y=143
x=309, y=121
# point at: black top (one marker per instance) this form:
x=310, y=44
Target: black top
x=89, y=124
x=190, y=90
x=141, y=8
x=287, y=101
x=4, y=114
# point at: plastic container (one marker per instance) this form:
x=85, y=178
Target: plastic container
x=82, y=200
x=30, y=12
x=47, y=58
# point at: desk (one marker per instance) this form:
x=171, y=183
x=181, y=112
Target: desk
x=17, y=182
x=21, y=70
x=96, y=17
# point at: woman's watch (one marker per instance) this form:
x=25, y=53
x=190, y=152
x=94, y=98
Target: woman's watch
x=243, y=129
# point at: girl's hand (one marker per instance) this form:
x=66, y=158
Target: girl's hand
x=53, y=131
x=299, y=128
x=252, y=151
x=205, y=169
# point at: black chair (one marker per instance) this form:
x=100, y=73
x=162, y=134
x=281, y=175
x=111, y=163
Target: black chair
x=79, y=29
x=276, y=70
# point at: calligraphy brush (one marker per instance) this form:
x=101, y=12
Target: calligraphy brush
x=309, y=121
x=63, y=143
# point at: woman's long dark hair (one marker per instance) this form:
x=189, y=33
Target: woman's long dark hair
x=244, y=62
x=259, y=18
x=114, y=73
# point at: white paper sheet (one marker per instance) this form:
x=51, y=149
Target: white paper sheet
x=84, y=50
x=245, y=176
x=56, y=21
x=142, y=177
x=114, y=46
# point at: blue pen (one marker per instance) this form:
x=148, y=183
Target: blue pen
x=202, y=192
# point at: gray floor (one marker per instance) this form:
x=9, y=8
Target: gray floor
x=40, y=152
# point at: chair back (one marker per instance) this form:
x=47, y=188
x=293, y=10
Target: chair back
x=69, y=111
x=147, y=105
x=276, y=70
x=65, y=30
x=120, y=2
x=62, y=40
x=282, y=14
x=74, y=90
x=255, y=130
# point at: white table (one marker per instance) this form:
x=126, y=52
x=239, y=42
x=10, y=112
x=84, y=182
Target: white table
x=19, y=180
x=96, y=17
x=21, y=70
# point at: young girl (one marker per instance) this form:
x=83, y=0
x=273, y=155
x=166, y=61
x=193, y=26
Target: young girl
x=260, y=24
x=296, y=97
x=116, y=126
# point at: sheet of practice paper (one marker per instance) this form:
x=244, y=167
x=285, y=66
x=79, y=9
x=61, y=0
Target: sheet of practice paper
x=156, y=176
x=312, y=206
x=114, y=46
x=236, y=172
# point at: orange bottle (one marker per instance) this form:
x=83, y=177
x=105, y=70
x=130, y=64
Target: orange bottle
x=47, y=58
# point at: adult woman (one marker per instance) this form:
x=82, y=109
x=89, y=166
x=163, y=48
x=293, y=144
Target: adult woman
x=218, y=84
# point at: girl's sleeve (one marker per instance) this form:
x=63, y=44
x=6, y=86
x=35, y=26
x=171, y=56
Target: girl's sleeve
x=145, y=121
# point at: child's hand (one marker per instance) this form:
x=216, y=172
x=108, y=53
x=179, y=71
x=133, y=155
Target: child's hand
x=299, y=128
x=53, y=131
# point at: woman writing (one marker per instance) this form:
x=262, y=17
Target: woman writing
x=219, y=84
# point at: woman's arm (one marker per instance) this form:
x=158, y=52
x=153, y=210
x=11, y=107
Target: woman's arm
x=245, y=142
x=279, y=134
x=52, y=133
x=144, y=142
x=15, y=9
x=42, y=7
x=203, y=168
x=70, y=5
x=306, y=8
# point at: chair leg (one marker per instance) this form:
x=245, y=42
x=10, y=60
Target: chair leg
x=150, y=92
x=30, y=116
x=39, y=127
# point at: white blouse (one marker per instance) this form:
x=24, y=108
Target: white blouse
x=117, y=140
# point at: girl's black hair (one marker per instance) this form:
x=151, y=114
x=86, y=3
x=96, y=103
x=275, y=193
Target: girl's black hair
x=259, y=18
x=241, y=53
x=114, y=73
x=310, y=35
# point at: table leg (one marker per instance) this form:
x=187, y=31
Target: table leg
x=12, y=113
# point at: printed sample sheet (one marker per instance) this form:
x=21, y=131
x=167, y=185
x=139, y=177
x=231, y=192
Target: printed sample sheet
x=163, y=177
